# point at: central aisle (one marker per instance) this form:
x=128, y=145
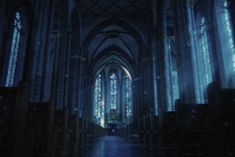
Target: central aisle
x=114, y=146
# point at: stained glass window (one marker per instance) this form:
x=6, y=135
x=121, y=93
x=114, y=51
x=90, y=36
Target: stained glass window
x=205, y=53
x=14, y=50
x=128, y=97
x=175, y=87
x=204, y=61
x=113, y=91
x=99, y=101
x=229, y=32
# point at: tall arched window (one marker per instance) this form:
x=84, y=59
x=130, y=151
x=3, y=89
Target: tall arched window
x=225, y=42
x=128, y=97
x=204, y=61
x=113, y=91
x=99, y=101
x=175, y=88
x=14, y=51
x=205, y=53
x=173, y=73
x=229, y=32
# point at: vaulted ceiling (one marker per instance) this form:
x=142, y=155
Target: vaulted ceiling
x=113, y=36
x=113, y=7
x=111, y=32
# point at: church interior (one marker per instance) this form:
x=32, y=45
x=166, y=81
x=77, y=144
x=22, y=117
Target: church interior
x=108, y=78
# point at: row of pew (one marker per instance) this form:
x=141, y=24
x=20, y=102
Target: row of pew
x=8, y=109
x=193, y=130
x=41, y=130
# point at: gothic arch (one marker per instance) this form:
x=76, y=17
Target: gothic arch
x=112, y=21
x=112, y=54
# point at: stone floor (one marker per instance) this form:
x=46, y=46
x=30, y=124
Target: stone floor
x=114, y=146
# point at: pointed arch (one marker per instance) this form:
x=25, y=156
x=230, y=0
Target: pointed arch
x=113, y=21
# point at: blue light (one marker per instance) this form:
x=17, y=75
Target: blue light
x=229, y=32
x=113, y=91
x=14, y=51
x=128, y=97
x=204, y=61
x=99, y=105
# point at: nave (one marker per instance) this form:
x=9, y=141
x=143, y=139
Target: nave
x=116, y=146
x=117, y=78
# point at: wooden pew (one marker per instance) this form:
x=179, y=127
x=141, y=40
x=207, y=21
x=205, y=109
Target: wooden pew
x=169, y=134
x=193, y=129
x=227, y=121
x=73, y=131
x=155, y=133
x=227, y=116
x=39, y=125
x=8, y=102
